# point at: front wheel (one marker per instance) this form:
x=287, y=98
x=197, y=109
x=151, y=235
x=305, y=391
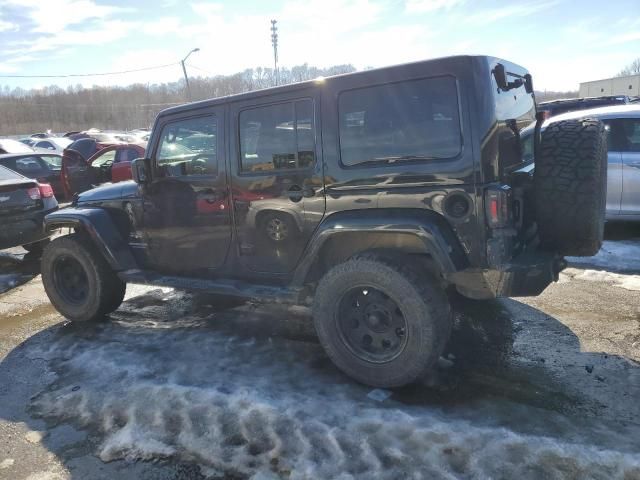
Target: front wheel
x=78, y=280
x=380, y=320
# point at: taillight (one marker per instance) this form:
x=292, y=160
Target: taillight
x=497, y=202
x=34, y=193
x=45, y=190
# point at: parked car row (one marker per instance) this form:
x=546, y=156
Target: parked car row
x=77, y=161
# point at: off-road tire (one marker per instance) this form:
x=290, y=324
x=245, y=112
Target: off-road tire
x=570, y=181
x=105, y=290
x=421, y=299
x=37, y=247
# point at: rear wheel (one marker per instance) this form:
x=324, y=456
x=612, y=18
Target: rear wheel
x=571, y=187
x=380, y=321
x=78, y=281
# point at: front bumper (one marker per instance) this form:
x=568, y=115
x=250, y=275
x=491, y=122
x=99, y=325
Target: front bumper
x=525, y=276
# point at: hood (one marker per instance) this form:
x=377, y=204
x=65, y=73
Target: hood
x=113, y=191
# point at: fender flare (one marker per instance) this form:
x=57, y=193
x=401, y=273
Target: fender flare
x=99, y=226
x=433, y=230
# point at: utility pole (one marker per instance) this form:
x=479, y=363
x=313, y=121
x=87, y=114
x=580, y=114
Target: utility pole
x=274, y=42
x=184, y=70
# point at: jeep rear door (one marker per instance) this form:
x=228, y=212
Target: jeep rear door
x=277, y=167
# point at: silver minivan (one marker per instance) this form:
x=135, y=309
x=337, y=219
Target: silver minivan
x=622, y=123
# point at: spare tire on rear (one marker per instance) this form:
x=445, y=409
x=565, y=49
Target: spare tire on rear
x=570, y=181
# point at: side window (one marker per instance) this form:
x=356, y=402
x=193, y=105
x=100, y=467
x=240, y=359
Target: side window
x=624, y=135
x=188, y=147
x=106, y=158
x=277, y=137
x=413, y=120
x=126, y=155
x=631, y=134
x=29, y=165
x=47, y=145
x=54, y=161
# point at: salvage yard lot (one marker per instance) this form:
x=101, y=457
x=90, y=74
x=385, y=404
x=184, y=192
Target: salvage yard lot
x=542, y=387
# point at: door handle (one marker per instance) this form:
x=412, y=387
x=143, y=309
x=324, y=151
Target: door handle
x=295, y=193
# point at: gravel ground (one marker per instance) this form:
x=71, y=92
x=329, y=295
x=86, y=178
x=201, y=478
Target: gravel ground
x=172, y=387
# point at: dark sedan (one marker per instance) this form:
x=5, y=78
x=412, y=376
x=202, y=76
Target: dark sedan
x=23, y=205
x=43, y=167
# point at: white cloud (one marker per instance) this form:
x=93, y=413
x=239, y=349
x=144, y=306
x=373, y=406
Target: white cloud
x=206, y=8
x=423, y=6
x=53, y=16
x=8, y=26
x=163, y=26
x=509, y=11
x=623, y=38
x=6, y=67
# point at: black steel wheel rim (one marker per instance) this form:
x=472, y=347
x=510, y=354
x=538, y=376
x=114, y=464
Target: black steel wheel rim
x=371, y=324
x=70, y=280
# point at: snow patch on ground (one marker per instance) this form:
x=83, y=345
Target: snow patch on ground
x=628, y=282
x=176, y=384
x=615, y=255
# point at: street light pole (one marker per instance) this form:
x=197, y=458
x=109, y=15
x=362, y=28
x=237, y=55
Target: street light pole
x=184, y=70
x=274, y=42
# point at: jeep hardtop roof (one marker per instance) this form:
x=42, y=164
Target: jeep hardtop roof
x=449, y=61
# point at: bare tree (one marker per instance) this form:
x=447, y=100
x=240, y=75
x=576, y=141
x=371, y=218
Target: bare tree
x=122, y=108
x=632, y=69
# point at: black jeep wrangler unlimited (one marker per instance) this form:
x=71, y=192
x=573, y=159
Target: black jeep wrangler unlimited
x=373, y=196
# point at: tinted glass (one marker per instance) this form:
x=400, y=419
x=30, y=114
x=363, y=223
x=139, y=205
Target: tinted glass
x=126, y=155
x=414, y=120
x=188, y=147
x=29, y=166
x=277, y=137
x=48, y=145
x=630, y=135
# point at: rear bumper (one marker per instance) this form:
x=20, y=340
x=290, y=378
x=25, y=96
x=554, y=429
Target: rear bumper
x=525, y=276
x=23, y=229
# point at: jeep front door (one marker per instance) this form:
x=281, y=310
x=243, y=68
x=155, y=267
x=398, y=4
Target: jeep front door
x=186, y=218
x=278, y=197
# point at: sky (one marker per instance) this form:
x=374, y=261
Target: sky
x=561, y=42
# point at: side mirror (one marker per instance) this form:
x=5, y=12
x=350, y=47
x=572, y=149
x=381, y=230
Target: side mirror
x=140, y=168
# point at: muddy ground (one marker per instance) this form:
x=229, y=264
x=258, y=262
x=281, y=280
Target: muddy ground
x=173, y=387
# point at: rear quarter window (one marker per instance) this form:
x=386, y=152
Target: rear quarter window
x=404, y=121
x=6, y=174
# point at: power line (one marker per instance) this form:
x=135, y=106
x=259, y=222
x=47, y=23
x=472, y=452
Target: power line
x=201, y=69
x=102, y=74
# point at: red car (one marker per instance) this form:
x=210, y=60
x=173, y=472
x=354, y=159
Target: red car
x=87, y=163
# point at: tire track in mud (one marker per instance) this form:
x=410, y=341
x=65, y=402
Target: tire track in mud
x=221, y=390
